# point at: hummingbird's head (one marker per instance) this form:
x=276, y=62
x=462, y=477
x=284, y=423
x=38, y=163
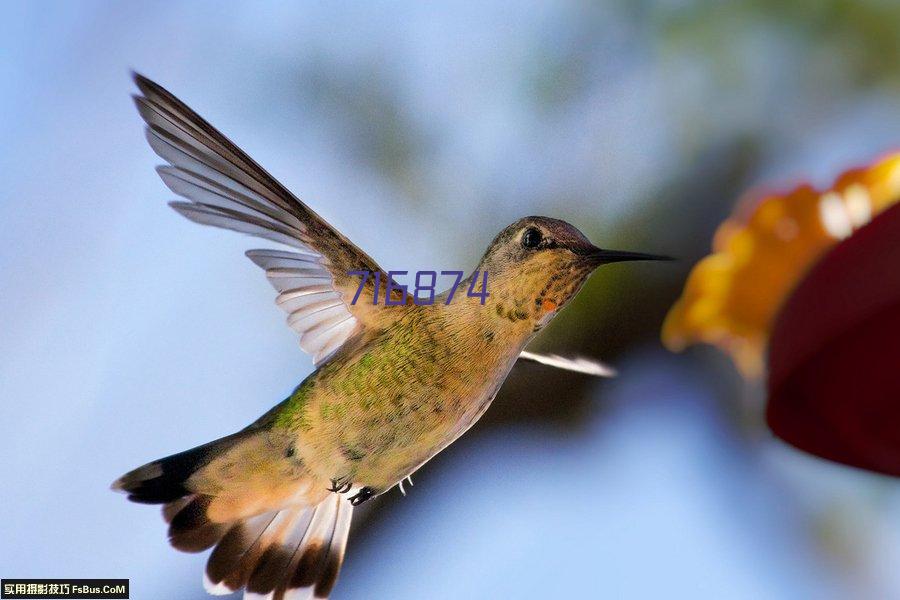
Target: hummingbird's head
x=537, y=264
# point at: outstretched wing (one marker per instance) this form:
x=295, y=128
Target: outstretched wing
x=578, y=364
x=226, y=188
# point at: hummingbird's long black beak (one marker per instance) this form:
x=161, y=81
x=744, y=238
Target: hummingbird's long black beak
x=602, y=257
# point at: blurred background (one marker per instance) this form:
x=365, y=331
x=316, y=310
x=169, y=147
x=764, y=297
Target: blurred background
x=128, y=333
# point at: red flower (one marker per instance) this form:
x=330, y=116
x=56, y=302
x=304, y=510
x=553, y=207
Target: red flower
x=813, y=279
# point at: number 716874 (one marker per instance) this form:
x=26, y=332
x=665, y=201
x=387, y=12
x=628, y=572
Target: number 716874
x=425, y=283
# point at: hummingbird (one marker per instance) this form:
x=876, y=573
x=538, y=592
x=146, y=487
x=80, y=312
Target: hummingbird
x=393, y=384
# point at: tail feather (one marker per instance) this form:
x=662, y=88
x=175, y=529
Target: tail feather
x=163, y=481
x=334, y=556
x=272, y=566
x=293, y=552
x=174, y=507
x=191, y=529
x=305, y=570
x=229, y=565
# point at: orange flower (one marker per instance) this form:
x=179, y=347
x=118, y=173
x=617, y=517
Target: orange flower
x=762, y=252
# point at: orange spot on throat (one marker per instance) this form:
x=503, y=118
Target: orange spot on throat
x=548, y=305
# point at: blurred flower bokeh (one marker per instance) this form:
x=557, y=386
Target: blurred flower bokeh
x=761, y=253
x=818, y=273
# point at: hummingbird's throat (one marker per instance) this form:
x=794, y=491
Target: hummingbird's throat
x=548, y=306
x=546, y=310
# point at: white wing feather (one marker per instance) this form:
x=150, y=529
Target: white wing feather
x=578, y=364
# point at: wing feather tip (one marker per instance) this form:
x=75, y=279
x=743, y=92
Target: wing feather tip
x=138, y=100
x=577, y=364
x=188, y=210
x=136, y=77
x=258, y=258
x=179, y=204
x=147, y=86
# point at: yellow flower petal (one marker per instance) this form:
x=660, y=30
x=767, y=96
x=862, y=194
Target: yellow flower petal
x=762, y=251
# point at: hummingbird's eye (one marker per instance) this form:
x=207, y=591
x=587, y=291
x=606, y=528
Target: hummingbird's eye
x=531, y=238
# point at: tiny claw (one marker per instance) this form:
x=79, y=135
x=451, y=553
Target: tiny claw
x=361, y=496
x=338, y=487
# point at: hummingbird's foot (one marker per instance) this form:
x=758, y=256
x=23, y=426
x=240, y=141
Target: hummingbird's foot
x=361, y=496
x=341, y=485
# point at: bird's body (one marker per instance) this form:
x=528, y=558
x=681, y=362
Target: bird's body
x=366, y=421
x=394, y=384
x=374, y=413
